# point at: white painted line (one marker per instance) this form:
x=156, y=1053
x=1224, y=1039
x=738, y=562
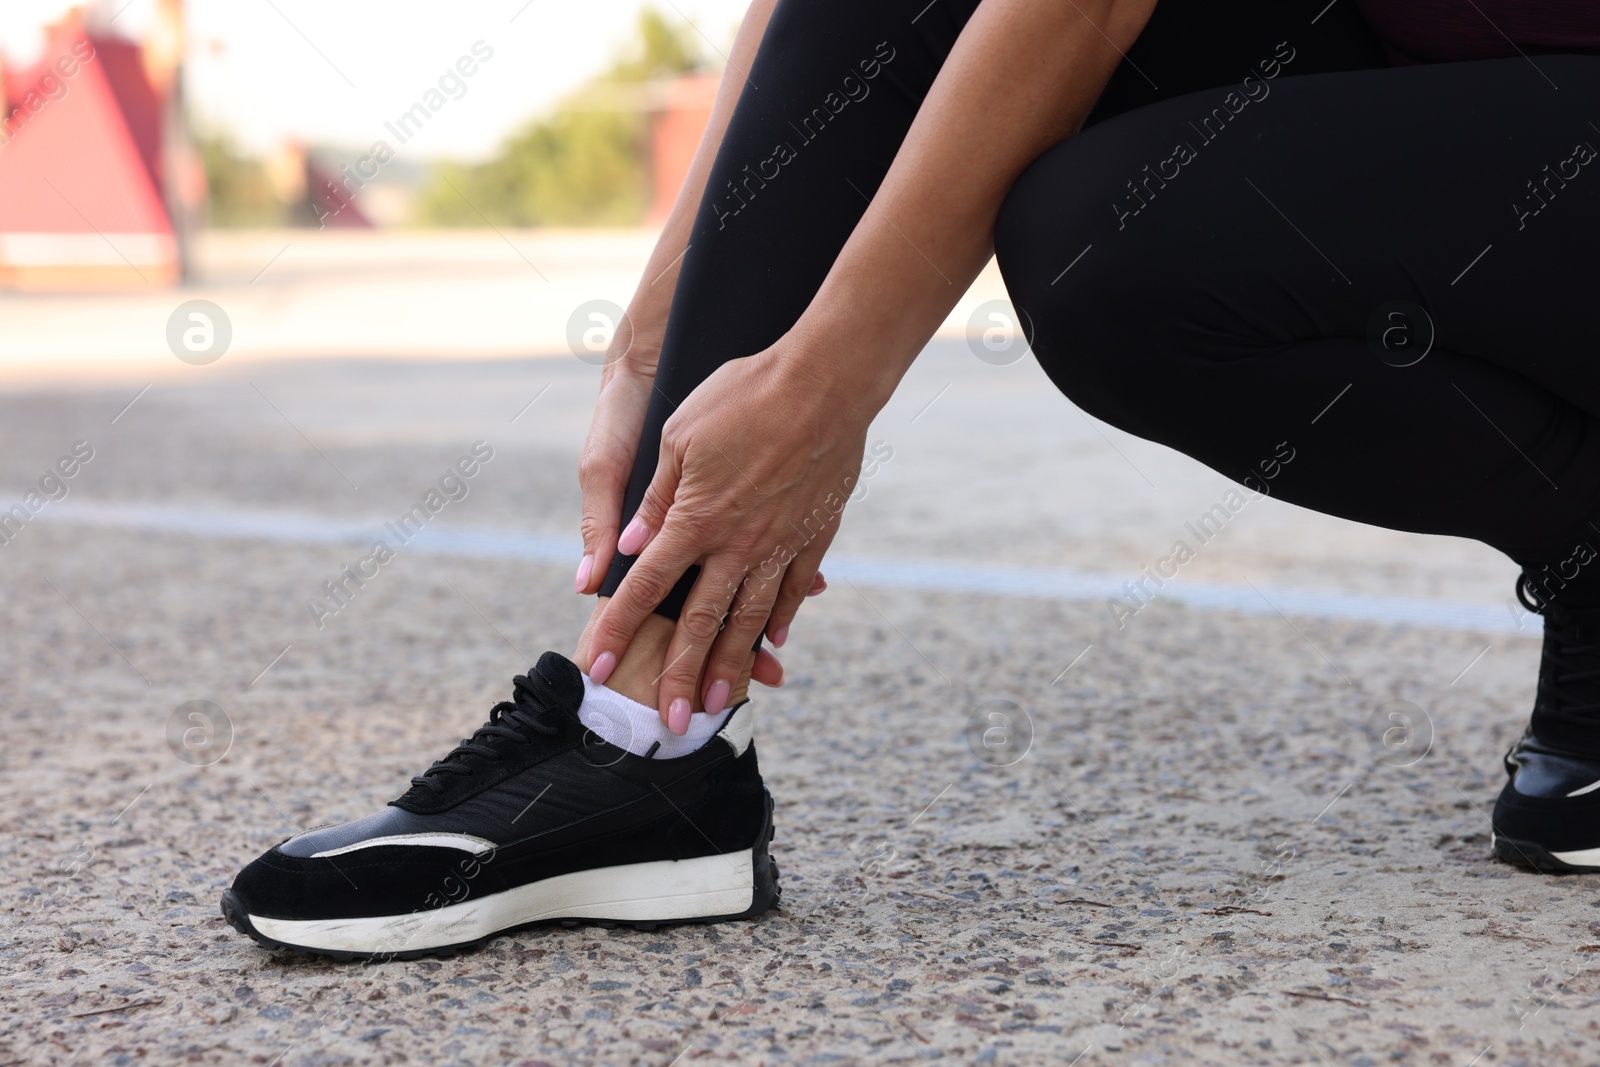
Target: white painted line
x=929, y=576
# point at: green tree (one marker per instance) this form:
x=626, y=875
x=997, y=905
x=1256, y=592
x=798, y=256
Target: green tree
x=238, y=192
x=585, y=165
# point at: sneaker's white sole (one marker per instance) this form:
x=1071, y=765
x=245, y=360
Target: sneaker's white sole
x=1536, y=856
x=1586, y=857
x=659, y=891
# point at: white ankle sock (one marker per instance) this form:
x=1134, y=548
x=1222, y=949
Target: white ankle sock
x=631, y=725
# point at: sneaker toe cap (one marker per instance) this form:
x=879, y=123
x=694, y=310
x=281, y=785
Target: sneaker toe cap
x=1554, y=823
x=382, y=880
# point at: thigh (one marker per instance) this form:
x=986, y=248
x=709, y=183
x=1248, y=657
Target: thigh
x=1228, y=224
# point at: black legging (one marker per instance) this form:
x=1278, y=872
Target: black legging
x=1235, y=271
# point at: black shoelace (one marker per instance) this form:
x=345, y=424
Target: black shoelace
x=1569, y=658
x=531, y=712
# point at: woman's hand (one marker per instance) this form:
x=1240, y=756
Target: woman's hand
x=607, y=462
x=756, y=467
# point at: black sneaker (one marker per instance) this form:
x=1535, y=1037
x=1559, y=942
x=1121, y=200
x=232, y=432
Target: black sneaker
x=534, y=819
x=1548, y=814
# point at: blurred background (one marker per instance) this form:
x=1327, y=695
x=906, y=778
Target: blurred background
x=500, y=163
x=492, y=166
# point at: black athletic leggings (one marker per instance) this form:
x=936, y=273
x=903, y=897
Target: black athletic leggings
x=1263, y=242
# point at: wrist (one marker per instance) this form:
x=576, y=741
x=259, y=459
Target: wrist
x=636, y=343
x=848, y=366
x=819, y=371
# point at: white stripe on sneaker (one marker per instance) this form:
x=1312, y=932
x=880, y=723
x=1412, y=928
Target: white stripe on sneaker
x=466, y=842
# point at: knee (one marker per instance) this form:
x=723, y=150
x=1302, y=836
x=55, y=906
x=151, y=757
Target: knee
x=1097, y=317
x=1112, y=306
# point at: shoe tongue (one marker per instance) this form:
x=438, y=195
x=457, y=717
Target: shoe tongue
x=565, y=678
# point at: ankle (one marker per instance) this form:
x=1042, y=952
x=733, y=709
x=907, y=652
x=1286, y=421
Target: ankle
x=637, y=675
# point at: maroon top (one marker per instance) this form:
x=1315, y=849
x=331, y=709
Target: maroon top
x=1444, y=31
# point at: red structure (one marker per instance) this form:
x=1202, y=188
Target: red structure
x=332, y=198
x=678, y=119
x=86, y=164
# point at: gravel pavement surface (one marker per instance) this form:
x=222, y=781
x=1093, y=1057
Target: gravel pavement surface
x=1201, y=838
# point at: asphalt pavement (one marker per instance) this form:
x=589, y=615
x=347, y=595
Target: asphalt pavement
x=1247, y=825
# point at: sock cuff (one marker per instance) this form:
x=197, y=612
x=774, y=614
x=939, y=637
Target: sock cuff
x=633, y=726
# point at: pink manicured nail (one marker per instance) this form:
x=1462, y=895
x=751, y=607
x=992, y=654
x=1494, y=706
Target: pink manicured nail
x=779, y=636
x=582, y=580
x=717, y=696
x=678, y=716
x=602, y=667
x=633, y=538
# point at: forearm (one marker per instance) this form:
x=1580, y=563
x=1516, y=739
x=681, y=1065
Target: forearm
x=1022, y=77
x=653, y=297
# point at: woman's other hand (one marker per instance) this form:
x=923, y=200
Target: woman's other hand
x=755, y=500
x=613, y=441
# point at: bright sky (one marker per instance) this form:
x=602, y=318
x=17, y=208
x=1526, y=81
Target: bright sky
x=334, y=71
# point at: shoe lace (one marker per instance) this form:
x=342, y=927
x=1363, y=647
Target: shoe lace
x=1571, y=653
x=532, y=711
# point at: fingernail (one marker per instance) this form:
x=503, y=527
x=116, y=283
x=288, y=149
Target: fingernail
x=582, y=580
x=678, y=716
x=602, y=667
x=717, y=696
x=633, y=538
x=779, y=636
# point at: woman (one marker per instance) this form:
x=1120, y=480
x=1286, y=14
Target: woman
x=1235, y=229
